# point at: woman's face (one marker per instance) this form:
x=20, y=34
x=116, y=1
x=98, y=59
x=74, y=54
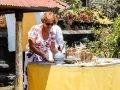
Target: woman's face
x=48, y=24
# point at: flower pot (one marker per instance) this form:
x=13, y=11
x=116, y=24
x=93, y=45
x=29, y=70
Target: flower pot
x=61, y=23
x=69, y=22
x=82, y=25
x=90, y=24
x=76, y=25
x=86, y=24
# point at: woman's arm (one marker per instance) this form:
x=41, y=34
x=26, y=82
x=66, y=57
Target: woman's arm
x=35, y=50
x=53, y=49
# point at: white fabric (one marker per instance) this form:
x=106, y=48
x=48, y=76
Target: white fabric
x=10, y=19
x=59, y=40
x=59, y=36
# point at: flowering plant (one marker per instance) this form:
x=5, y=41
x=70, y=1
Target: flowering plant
x=83, y=17
x=85, y=14
x=70, y=15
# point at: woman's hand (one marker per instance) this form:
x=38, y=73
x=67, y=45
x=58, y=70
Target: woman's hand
x=45, y=58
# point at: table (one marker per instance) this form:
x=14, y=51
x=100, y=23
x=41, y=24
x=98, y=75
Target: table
x=65, y=77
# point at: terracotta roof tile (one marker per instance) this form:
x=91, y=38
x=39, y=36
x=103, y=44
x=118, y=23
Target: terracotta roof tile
x=35, y=3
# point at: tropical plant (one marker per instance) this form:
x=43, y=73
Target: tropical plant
x=83, y=17
x=60, y=14
x=70, y=15
x=106, y=41
x=100, y=18
x=105, y=6
x=74, y=3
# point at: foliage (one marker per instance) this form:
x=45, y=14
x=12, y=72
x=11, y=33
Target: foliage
x=105, y=6
x=72, y=12
x=100, y=18
x=83, y=14
x=107, y=41
x=74, y=3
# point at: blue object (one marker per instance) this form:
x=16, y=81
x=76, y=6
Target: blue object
x=59, y=58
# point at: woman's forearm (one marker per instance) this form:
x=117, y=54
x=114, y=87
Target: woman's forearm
x=54, y=50
x=35, y=50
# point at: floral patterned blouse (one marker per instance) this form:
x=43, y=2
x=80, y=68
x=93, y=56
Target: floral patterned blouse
x=42, y=45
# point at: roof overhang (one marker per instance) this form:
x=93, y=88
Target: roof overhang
x=11, y=6
x=11, y=9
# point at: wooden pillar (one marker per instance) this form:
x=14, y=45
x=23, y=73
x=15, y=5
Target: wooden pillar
x=19, y=50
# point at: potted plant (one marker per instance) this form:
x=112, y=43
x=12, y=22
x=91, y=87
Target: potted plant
x=70, y=17
x=84, y=18
x=61, y=21
x=66, y=17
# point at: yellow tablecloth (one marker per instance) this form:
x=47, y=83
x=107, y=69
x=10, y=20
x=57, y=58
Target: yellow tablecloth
x=52, y=77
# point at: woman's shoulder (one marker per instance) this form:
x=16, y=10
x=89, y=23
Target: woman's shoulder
x=35, y=27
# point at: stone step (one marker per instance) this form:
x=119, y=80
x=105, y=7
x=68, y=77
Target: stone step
x=2, y=62
x=3, y=65
x=6, y=80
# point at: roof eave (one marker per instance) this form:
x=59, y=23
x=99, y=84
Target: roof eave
x=11, y=9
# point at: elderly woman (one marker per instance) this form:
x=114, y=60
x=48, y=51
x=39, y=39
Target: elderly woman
x=40, y=39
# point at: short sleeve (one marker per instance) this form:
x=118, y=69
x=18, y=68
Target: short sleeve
x=32, y=33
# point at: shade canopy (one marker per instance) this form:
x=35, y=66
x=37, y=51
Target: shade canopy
x=10, y=6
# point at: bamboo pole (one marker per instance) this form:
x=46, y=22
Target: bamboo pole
x=19, y=50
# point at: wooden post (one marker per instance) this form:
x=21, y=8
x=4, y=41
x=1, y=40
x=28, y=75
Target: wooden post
x=19, y=50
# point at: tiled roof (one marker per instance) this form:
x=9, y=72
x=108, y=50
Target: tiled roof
x=34, y=3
